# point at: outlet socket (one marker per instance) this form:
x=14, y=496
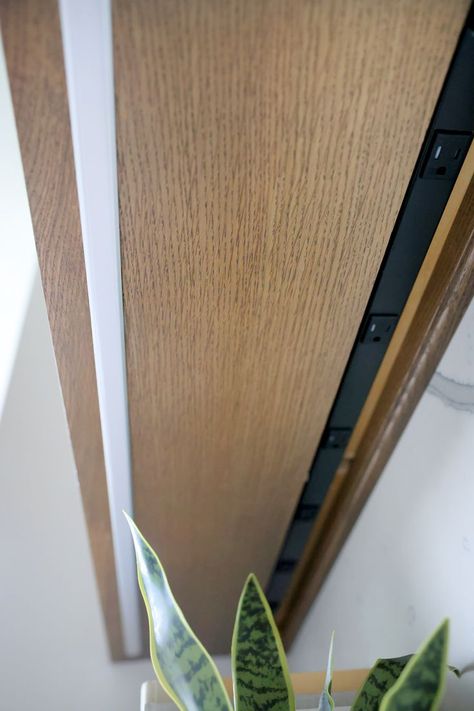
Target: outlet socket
x=446, y=155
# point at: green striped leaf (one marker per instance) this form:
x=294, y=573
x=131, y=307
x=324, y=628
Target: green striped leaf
x=260, y=672
x=326, y=702
x=182, y=665
x=381, y=678
x=420, y=685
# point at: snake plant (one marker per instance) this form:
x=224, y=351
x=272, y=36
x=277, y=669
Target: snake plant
x=261, y=680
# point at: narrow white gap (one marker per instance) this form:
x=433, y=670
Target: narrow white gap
x=88, y=54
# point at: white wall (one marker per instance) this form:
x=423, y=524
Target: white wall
x=18, y=261
x=409, y=561
x=53, y=652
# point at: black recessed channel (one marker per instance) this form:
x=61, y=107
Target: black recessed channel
x=440, y=159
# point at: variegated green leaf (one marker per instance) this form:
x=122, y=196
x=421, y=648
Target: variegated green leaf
x=326, y=702
x=381, y=678
x=182, y=665
x=420, y=685
x=260, y=672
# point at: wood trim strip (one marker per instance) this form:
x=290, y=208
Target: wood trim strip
x=343, y=681
x=33, y=49
x=440, y=296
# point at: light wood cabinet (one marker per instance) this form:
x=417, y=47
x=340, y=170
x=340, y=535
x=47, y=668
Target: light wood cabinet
x=264, y=149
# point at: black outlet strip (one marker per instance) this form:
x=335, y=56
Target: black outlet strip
x=440, y=159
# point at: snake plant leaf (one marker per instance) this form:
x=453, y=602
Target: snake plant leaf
x=260, y=673
x=326, y=702
x=182, y=665
x=381, y=678
x=420, y=686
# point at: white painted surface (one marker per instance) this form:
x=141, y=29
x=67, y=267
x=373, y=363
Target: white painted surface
x=53, y=652
x=86, y=27
x=409, y=561
x=18, y=260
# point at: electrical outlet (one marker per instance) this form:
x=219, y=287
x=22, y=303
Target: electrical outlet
x=379, y=328
x=446, y=155
x=336, y=438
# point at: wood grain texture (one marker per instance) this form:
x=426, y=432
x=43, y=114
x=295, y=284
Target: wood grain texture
x=32, y=42
x=264, y=149
x=443, y=290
